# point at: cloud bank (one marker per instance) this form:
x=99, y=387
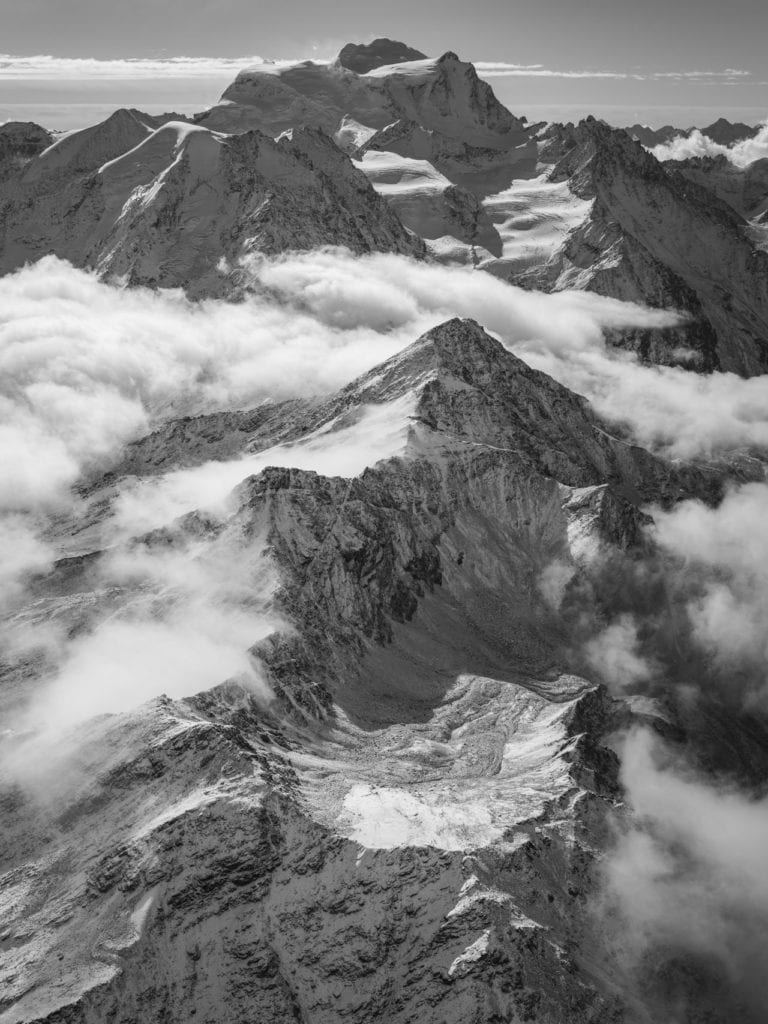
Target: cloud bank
x=741, y=154
x=687, y=883
x=500, y=69
x=48, y=67
x=728, y=547
x=87, y=366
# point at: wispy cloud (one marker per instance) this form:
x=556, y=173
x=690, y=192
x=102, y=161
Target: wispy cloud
x=45, y=66
x=696, y=144
x=499, y=69
x=728, y=73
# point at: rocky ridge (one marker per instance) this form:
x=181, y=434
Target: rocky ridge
x=636, y=245
x=166, y=205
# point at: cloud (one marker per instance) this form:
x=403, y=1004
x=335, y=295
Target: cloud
x=728, y=73
x=686, y=882
x=46, y=66
x=728, y=609
x=741, y=154
x=22, y=553
x=553, y=582
x=49, y=67
x=498, y=67
x=345, y=447
x=501, y=69
x=614, y=655
x=186, y=615
x=87, y=366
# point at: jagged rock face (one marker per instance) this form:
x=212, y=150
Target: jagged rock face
x=743, y=188
x=236, y=900
x=364, y=57
x=410, y=828
x=164, y=206
x=655, y=236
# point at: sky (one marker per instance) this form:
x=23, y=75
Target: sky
x=657, y=61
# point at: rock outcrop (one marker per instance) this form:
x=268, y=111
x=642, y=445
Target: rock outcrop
x=364, y=57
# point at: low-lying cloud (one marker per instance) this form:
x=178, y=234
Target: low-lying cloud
x=87, y=366
x=46, y=67
x=174, y=616
x=728, y=548
x=501, y=69
x=696, y=144
x=687, y=882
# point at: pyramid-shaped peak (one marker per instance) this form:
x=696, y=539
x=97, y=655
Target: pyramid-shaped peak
x=364, y=57
x=461, y=345
x=458, y=348
x=468, y=389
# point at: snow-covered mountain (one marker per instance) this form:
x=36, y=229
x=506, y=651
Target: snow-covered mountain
x=444, y=95
x=167, y=205
x=410, y=611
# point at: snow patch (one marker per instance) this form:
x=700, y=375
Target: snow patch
x=474, y=952
x=382, y=818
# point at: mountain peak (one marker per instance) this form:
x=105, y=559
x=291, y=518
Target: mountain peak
x=726, y=133
x=466, y=349
x=364, y=57
x=469, y=390
x=458, y=348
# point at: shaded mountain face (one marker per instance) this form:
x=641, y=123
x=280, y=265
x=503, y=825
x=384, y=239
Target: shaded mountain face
x=650, y=137
x=725, y=132
x=364, y=57
x=745, y=189
x=20, y=141
x=721, y=131
x=404, y=820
